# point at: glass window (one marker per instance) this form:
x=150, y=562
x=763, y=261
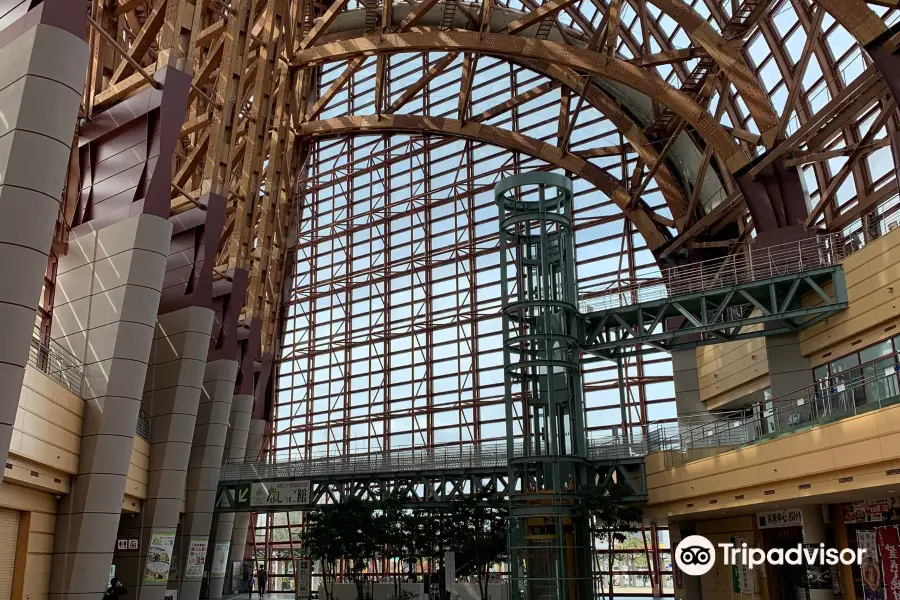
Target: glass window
x=869, y=354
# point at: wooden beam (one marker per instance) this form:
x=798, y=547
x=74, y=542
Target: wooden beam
x=526, y=96
x=660, y=159
x=142, y=42
x=322, y=23
x=544, y=11
x=412, y=91
x=804, y=158
x=886, y=113
x=416, y=14
x=668, y=57
x=797, y=84
x=336, y=86
x=470, y=64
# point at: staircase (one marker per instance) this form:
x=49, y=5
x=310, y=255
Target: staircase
x=691, y=86
x=448, y=15
x=742, y=19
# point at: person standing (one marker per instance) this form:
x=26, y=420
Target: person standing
x=263, y=578
x=250, y=582
x=115, y=590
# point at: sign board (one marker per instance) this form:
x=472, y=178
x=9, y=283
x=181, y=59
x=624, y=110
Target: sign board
x=449, y=569
x=196, y=559
x=869, y=511
x=122, y=544
x=303, y=578
x=159, y=557
x=220, y=559
x=242, y=494
x=134, y=543
x=277, y=493
x=789, y=517
x=127, y=544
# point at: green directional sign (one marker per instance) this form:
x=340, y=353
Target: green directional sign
x=242, y=495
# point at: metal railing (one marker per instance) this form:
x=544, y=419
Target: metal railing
x=825, y=401
x=50, y=358
x=470, y=457
x=739, y=268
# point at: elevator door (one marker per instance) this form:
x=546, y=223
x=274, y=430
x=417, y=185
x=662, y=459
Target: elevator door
x=9, y=533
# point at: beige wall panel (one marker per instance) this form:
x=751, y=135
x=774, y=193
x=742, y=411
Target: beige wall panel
x=873, y=287
x=848, y=455
x=40, y=535
x=732, y=370
x=136, y=484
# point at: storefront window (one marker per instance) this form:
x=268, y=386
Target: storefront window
x=866, y=377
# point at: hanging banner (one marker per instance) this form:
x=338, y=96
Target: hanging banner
x=196, y=559
x=303, y=575
x=279, y=493
x=741, y=576
x=889, y=545
x=220, y=559
x=159, y=557
x=789, y=517
x=872, y=580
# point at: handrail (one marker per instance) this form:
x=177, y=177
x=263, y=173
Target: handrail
x=826, y=400
x=486, y=455
x=737, y=268
x=47, y=356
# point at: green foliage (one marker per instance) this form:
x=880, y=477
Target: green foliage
x=359, y=532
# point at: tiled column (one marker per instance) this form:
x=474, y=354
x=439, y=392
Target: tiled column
x=242, y=519
x=41, y=78
x=235, y=447
x=205, y=462
x=687, y=384
x=171, y=398
x=109, y=286
x=790, y=373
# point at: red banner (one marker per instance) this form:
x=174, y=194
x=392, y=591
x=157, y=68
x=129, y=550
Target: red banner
x=889, y=546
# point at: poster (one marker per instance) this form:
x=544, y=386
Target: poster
x=869, y=511
x=872, y=580
x=818, y=577
x=159, y=557
x=789, y=517
x=220, y=559
x=889, y=544
x=196, y=559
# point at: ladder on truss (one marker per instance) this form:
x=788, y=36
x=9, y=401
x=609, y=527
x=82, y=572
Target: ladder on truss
x=742, y=18
x=691, y=86
x=448, y=15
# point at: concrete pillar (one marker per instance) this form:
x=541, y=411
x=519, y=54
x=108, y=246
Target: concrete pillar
x=814, y=533
x=111, y=281
x=206, y=460
x=687, y=384
x=42, y=71
x=691, y=587
x=235, y=448
x=171, y=398
x=242, y=520
x=790, y=375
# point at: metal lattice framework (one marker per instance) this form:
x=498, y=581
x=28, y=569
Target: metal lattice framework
x=356, y=143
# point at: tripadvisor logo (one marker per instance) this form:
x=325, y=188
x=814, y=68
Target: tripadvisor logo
x=695, y=555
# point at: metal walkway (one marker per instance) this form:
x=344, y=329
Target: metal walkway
x=423, y=476
x=761, y=292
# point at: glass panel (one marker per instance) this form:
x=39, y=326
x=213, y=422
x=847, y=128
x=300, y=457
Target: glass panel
x=881, y=380
x=869, y=354
x=842, y=395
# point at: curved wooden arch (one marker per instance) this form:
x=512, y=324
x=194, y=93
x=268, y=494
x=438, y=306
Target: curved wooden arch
x=856, y=17
x=521, y=48
x=730, y=59
x=668, y=186
x=517, y=142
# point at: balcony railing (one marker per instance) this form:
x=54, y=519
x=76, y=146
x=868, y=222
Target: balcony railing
x=828, y=400
x=738, y=268
x=50, y=358
x=470, y=457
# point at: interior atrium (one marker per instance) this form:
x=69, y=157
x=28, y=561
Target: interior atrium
x=539, y=288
